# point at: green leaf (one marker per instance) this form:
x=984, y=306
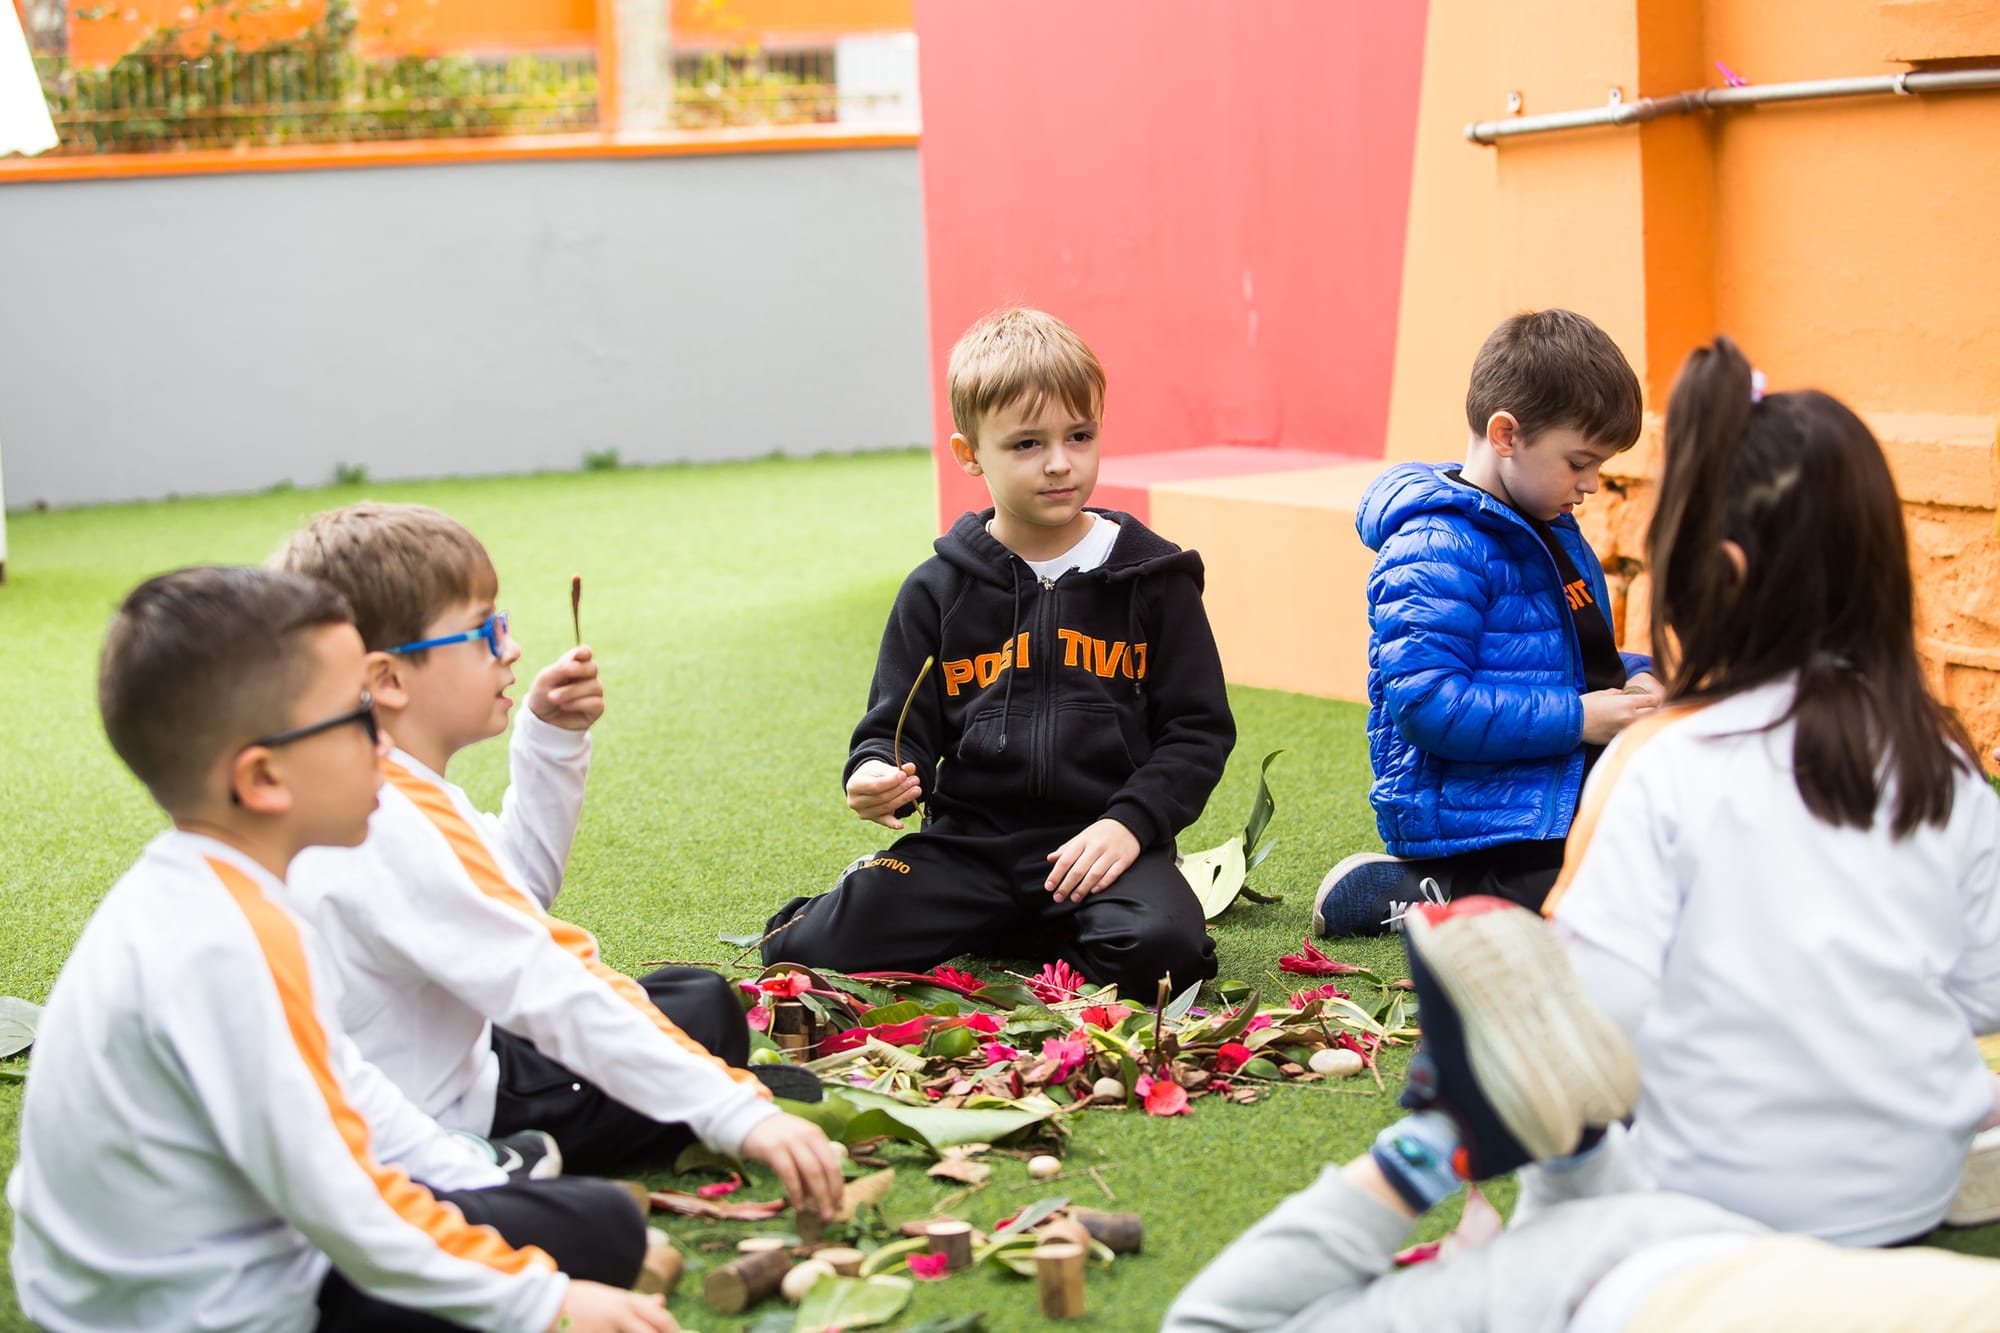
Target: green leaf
x=696, y=1157
x=900, y=1012
x=936, y=1128
x=1036, y=1213
x=852, y=1302
x=1006, y=995
x=1216, y=876
x=1257, y=859
x=892, y=1254
x=18, y=1021
x=1183, y=1002
x=1261, y=1068
x=952, y=1043
x=874, y=995
x=1251, y=895
x=1262, y=807
x=832, y=1113
x=957, y=1323
x=917, y=990
x=1233, y=991
x=741, y=941
x=13, y=1074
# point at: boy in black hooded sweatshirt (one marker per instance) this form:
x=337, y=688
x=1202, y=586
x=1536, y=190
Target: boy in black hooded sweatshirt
x=1074, y=722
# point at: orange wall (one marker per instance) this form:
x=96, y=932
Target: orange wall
x=732, y=22
x=1847, y=245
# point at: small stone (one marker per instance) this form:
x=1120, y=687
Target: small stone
x=1108, y=1090
x=801, y=1279
x=1337, y=1061
x=1043, y=1168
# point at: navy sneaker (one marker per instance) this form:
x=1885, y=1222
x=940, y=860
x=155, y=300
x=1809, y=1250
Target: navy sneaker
x=1368, y=893
x=1513, y=1050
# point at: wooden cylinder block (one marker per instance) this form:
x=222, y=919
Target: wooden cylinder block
x=741, y=1283
x=953, y=1240
x=845, y=1262
x=791, y=1029
x=1059, y=1280
x=1121, y=1233
x=662, y=1269
x=759, y=1244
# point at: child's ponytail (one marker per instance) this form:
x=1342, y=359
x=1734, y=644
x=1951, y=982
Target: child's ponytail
x=1778, y=548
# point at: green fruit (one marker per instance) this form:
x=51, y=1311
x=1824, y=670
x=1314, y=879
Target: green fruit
x=766, y=1057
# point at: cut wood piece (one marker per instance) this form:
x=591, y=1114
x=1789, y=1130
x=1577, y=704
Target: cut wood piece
x=844, y=1261
x=1120, y=1233
x=953, y=1240
x=661, y=1271
x=759, y=1244
x=741, y=1283
x=1059, y=1280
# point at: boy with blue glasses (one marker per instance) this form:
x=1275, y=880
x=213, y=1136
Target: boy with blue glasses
x=493, y=1015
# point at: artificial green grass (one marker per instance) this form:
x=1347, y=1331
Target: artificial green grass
x=735, y=609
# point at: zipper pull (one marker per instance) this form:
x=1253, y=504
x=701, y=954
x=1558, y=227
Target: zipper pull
x=1048, y=584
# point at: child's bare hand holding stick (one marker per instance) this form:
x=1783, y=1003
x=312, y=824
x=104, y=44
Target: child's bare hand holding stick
x=568, y=693
x=876, y=791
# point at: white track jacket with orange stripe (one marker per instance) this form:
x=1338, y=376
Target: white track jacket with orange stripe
x=439, y=925
x=200, y=1142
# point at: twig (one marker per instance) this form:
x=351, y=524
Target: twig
x=575, y=606
x=681, y=962
x=1160, y=1023
x=1091, y=1171
x=959, y=1196
x=1101, y=1185
x=768, y=935
x=896, y=746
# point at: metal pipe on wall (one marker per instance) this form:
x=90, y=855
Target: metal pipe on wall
x=1705, y=99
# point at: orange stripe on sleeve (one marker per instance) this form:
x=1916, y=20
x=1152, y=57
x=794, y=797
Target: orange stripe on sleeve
x=284, y=954
x=479, y=863
x=1610, y=769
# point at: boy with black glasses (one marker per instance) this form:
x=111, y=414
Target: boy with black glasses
x=201, y=1144
x=493, y=1015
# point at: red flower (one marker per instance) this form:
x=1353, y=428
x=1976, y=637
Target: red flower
x=999, y=1054
x=1056, y=982
x=1327, y=992
x=1232, y=1057
x=953, y=979
x=1363, y=1047
x=929, y=1267
x=786, y=985
x=1312, y=963
x=721, y=1187
x=933, y=1093
x=1166, y=1097
x=985, y=1023
x=908, y=1033
x=1258, y=1024
x=1105, y=1016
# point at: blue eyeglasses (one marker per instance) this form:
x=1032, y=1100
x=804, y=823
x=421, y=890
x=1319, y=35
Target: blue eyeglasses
x=494, y=631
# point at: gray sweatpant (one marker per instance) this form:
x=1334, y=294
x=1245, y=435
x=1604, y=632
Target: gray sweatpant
x=1328, y=1250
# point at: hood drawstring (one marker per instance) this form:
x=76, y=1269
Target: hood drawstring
x=1132, y=636
x=1014, y=638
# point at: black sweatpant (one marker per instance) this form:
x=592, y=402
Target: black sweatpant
x=1521, y=872
x=597, y=1133
x=593, y=1229
x=943, y=891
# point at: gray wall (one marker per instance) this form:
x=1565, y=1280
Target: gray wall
x=223, y=333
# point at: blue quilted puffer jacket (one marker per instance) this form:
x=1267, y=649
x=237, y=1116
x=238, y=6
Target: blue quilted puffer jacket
x=1475, y=675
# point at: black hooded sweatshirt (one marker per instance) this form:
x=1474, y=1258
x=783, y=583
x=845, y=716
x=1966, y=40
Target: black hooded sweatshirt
x=1054, y=704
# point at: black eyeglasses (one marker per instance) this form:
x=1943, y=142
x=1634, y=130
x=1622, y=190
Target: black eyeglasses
x=364, y=715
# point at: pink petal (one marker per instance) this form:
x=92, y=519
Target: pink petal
x=999, y=1054
x=929, y=1267
x=1166, y=1098
x=721, y=1187
x=1233, y=1055
x=760, y=1019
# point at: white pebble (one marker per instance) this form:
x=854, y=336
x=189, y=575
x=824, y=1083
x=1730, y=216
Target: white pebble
x=1108, y=1089
x=801, y=1279
x=1337, y=1061
x=1042, y=1168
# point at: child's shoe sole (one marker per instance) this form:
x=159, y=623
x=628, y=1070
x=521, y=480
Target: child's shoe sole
x=1334, y=882
x=1549, y=1062
x=1978, y=1198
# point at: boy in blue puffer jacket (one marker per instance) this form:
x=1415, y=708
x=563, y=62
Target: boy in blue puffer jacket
x=1494, y=680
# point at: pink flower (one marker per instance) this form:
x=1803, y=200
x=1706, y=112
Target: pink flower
x=721, y=1187
x=933, y=1093
x=786, y=985
x=1327, y=992
x=1105, y=1016
x=986, y=1023
x=1419, y=1254
x=1312, y=963
x=929, y=1267
x=1258, y=1024
x=1232, y=1057
x=998, y=1054
x=1068, y=1056
x=1056, y=982
x=759, y=1018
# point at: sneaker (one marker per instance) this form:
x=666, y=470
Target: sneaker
x=1978, y=1199
x=1513, y=1049
x=529, y=1154
x=1368, y=893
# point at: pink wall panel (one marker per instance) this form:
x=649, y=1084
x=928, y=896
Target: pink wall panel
x=1213, y=193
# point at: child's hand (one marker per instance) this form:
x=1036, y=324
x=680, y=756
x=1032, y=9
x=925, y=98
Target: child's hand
x=876, y=791
x=592, y=1307
x=1650, y=683
x=1092, y=860
x=567, y=693
x=804, y=1160
x=1608, y=712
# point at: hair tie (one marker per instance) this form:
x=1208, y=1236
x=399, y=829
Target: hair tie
x=1757, y=385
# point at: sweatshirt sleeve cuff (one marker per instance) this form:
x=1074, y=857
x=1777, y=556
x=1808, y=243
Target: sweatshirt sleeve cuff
x=540, y=1314
x=725, y=1132
x=1142, y=825
x=547, y=741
